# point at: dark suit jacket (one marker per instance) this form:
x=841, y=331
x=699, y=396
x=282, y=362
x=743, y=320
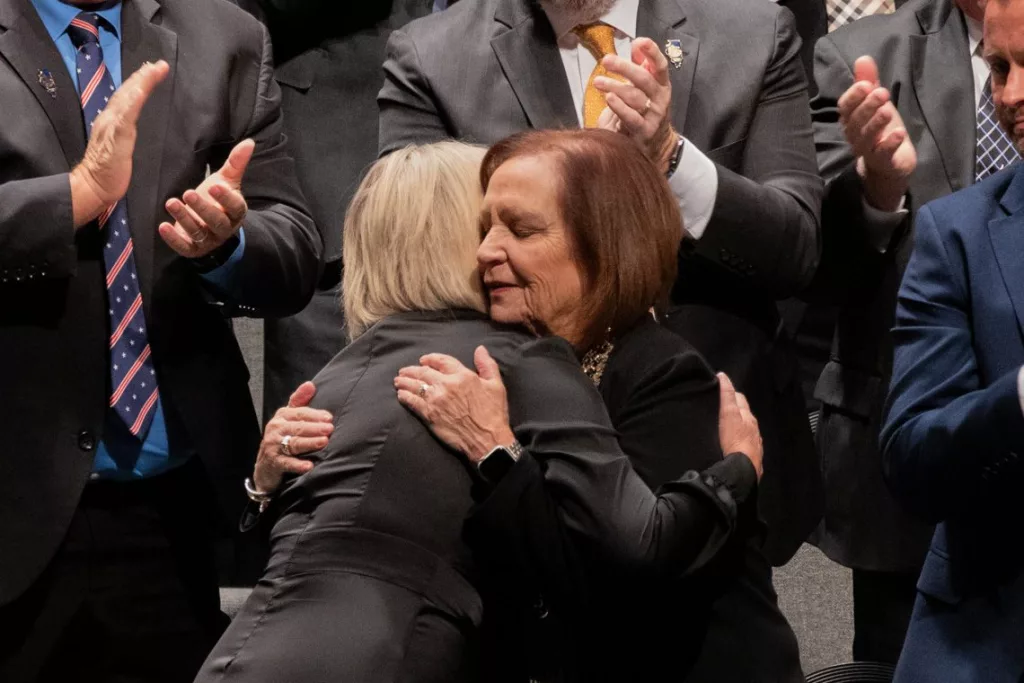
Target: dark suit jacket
x=662, y=399
x=53, y=309
x=922, y=52
x=954, y=432
x=328, y=57
x=740, y=96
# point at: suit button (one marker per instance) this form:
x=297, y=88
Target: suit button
x=86, y=440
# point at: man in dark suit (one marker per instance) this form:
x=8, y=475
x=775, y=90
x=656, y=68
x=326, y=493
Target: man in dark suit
x=890, y=138
x=328, y=56
x=733, y=87
x=127, y=418
x=954, y=427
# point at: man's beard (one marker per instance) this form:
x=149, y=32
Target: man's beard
x=583, y=11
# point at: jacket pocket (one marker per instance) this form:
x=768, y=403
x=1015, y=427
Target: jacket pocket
x=849, y=390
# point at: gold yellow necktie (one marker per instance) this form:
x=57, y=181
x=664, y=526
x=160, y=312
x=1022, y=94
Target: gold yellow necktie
x=600, y=40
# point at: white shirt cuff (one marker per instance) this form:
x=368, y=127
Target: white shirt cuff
x=881, y=224
x=695, y=185
x=1020, y=388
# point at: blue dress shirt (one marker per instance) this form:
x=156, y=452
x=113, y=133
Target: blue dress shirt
x=120, y=455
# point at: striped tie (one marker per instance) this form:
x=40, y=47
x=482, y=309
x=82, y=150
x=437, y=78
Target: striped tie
x=133, y=379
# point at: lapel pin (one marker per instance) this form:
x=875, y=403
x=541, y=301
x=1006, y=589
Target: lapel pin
x=46, y=80
x=674, y=52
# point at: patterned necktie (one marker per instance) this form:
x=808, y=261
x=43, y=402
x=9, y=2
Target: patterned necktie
x=599, y=39
x=133, y=379
x=844, y=11
x=995, y=150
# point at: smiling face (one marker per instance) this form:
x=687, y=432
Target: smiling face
x=527, y=259
x=1004, y=51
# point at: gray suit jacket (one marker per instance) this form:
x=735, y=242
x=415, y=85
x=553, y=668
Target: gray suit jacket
x=483, y=70
x=922, y=51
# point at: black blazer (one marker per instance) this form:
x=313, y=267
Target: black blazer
x=607, y=624
x=53, y=311
x=368, y=553
x=921, y=50
x=740, y=96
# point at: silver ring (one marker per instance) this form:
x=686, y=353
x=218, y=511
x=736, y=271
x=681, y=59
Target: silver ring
x=286, y=445
x=647, y=107
x=424, y=388
x=201, y=238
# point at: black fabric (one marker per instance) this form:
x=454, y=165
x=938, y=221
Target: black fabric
x=882, y=605
x=53, y=301
x=131, y=594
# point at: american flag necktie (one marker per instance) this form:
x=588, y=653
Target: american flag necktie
x=842, y=12
x=994, y=150
x=133, y=379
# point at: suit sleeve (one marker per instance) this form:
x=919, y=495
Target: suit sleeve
x=947, y=440
x=37, y=233
x=408, y=111
x=584, y=497
x=280, y=265
x=764, y=227
x=856, y=240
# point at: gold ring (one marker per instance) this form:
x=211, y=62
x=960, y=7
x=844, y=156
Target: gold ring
x=647, y=107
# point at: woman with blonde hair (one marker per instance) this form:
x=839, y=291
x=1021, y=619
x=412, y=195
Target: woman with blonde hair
x=369, y=577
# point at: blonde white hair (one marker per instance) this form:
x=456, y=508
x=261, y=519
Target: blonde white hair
x=411, y=235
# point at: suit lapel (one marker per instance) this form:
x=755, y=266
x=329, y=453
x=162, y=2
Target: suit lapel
x=661, y=21
x=943, y=82
x=527, y=50
x=144, y=40
x=1007, y=235
x=28, y=48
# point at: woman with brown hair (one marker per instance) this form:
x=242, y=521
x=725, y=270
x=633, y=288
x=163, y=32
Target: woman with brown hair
x=580, y=240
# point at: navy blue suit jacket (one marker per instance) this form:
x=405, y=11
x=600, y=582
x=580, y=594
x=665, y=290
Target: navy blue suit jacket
x=954, y=428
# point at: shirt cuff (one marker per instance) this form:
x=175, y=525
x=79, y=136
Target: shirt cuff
x=695, y=185
x=222, y=276
x=880, y=225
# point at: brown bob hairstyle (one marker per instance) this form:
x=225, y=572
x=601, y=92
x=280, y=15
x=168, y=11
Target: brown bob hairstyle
x=623, y=222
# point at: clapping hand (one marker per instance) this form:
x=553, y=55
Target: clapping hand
x=877, y=137
x=209, y=215
x=105, y=172
x=640, y=105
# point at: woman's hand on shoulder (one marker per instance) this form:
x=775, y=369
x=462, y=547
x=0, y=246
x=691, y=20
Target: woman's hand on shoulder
x=466, y=410
x=294, y=430
x=737, y=427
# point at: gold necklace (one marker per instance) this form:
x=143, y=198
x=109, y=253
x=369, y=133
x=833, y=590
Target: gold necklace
x=595, y=360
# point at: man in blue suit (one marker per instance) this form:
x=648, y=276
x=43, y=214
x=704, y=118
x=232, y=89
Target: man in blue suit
x=953, y=440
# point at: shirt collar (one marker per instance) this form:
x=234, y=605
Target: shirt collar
x=975, y=32
x=621, y=17
x=57, y=16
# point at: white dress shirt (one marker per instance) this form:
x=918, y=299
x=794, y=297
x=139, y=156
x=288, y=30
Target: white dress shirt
x=695, y=182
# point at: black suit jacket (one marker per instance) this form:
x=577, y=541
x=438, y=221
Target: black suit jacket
x=53, y=311
x=739, y=96
x=921, y=51
x=662, y=399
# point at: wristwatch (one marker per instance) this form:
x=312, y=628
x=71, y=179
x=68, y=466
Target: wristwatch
x=677, y=155
x=498, y=461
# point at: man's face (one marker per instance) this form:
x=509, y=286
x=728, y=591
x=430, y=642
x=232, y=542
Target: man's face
x=583, y=10
x=1004, y=51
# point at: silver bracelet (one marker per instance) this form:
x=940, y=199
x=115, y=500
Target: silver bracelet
x=255, y=495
